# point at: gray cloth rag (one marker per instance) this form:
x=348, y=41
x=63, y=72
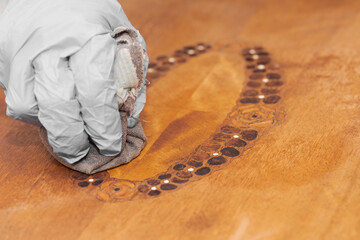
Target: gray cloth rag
x=133, y=138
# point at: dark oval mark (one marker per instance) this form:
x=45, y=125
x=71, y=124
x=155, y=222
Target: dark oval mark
x=181, y=60
x=274, y=83
x=259, y=70
x=195, y=164
x=267, y=91
x=263, y=53
x=97, y=182
x=99, y=175
x=189, y=48
x=250, y=93
x=273, y=76
x=271, y=99
x=179, y=56
x=184, y=174
x=153, y=182
x=143, y=188
x=83, y=184
x=116, y=189
x=235, y=143
x=220, y=137
x=178, y=180
x=250, y=66
x=249, y=59
x=264, y=60
x=249, y=100
x=179, y=167
x=256, y=76
x=80, y=176
x=162, y=69
x=230, y=152
x=168, y=186
x=254, y=84
x=200, y=156
x=202, y=171
x=154, y=193
x=162, y=57
x=165, y=176
x=229, y=129
x=152, y=65
x=168, y=63
x=216, y=160
x=210, y=147
x=249, y=134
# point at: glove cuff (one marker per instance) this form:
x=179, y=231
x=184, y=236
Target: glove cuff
x=128, y=68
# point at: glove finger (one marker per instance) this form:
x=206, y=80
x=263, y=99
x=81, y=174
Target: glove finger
x=20, y=98
x=59, y=110
x=96, y=91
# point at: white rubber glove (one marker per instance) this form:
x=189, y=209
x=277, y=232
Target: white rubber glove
x=2, y=5
x=46, y=83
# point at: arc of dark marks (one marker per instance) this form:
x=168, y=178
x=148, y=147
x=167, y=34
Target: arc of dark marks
x=229, y=140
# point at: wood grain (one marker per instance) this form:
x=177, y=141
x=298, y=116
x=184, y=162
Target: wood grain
x=299, y=181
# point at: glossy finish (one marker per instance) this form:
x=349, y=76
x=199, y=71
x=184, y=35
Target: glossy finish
x=297, y=180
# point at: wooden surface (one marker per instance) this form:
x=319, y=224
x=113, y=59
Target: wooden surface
x=299, y=180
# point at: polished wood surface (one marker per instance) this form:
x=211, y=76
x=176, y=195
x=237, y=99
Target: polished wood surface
x=299, y=180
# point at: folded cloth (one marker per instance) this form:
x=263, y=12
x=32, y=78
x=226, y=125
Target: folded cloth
x=133, y=142
x=129, y=70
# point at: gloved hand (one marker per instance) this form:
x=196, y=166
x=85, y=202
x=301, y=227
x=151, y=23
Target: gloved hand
x=57, y=70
